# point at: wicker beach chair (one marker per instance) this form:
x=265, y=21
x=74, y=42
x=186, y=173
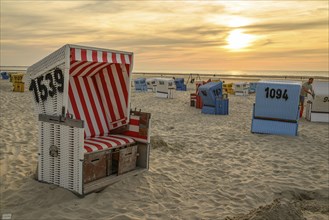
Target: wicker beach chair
x=88, y=136
x=165, y=88
x=317, y=109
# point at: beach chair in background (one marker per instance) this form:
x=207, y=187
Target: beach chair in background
x=165, y=88
x=195, y=98
x=192, y=99
x=213, y=99
x=88, y=136
x=140, y=85
x=216, y=80
x=193, y=77
x=252, y=87
x=228, y=88
x=198, y=99
x=151, y=84
x=317, y=110
x=4, y=75
x=276, y=110
x=17, y=80
x=180, y=86
x=241, y=88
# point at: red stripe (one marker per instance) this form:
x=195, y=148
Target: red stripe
x=83, y=70
x=99, y=147
x=94, y=55
x=107, y=97
x=73, y=63
x=108, y=144
x=104, y=141
x=134, y=134
x=84, y=107
x=128, y=69
x=88, y=149
x=74, y=105
x=134, y=122
x=123, y=60
x=101, y=103
x=115, y=140
x=123, y=83
x=116, y=95
x=93, y=105
x=72, y=69
x=122, y=138
x=114, y=58
x=92, y=69
x=83, y=55
x=107, y=141
x=72, y=54
x=104, y=56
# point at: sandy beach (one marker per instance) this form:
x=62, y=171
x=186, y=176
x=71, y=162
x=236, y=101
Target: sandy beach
x=201, y=167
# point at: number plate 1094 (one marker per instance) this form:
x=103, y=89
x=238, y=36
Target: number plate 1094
x=276, y=93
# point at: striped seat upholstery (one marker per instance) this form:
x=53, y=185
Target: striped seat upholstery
x=106, y=142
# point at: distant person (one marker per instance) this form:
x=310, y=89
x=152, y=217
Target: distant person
x=306, y=89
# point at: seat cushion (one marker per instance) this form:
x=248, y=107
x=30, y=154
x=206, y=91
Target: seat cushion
x=95, y=144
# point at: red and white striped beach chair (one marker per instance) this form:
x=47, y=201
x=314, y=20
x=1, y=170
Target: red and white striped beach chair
x=89, y=137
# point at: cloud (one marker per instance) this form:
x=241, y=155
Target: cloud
x=286, y=26
x=288, y=53
x=163, y=31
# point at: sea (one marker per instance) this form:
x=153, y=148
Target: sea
x=324, y=75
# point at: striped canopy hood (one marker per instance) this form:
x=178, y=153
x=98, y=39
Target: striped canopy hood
x=99, y=86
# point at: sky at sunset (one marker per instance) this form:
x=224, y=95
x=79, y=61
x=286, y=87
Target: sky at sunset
x=173, y=36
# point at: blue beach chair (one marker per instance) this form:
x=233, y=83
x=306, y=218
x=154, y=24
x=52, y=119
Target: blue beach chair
x=213, y=99
x=4, y=75
x=276, y=110
x=252, y=87
x=180, y=86
x=140, y=85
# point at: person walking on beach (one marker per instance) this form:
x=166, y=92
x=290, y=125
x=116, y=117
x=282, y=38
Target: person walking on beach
x=306, y=89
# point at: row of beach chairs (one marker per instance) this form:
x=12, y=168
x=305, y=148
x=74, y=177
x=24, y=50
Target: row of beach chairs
x=162, y=87
x=89, y=137
x=276, y=108
x=16, y=79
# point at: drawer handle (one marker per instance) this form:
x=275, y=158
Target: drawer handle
x=94, y=160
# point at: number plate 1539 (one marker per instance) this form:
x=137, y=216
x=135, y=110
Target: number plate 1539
x=38, y=85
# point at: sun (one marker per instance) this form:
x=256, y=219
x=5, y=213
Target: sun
x=238, y=40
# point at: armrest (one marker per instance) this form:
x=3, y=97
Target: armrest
x=139, y=126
